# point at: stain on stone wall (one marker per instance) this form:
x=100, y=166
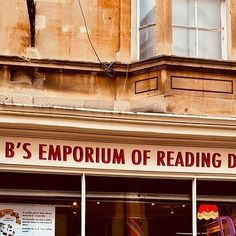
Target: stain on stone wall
x=14, y=27
x=61, y=31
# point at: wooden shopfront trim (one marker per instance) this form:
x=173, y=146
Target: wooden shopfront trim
x=121, y=128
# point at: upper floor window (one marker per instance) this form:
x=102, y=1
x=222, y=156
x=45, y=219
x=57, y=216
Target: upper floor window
x=199, y=28
x=147, y=28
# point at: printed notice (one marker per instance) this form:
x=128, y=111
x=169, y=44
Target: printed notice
x=27, y=220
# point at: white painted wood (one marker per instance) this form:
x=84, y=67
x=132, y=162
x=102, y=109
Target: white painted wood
x=194, y=206
x=83, y=205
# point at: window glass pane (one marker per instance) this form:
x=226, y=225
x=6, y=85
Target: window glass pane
x=40, y=204
x=44, y=181
x=147, y=42
x=38, y=219
x=183, y=12
x=209, y=14
x=135, y=206
x=132, y=217
x=220, y=188
x=209, y=224
x=184, y=42
x=67, y=221
x=209, y=44
x=138, y=185
x=216, y=208
x=147, y=12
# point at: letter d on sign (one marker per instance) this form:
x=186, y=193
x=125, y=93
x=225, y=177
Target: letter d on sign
x=9, y=150
x=231, y=160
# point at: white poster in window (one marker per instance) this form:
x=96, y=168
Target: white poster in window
x=27, y=220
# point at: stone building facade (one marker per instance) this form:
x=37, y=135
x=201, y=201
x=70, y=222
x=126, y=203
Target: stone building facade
x=164, y=83
x=118, y=117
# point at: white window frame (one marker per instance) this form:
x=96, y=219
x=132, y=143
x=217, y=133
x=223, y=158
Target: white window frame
x=138, y=27
x=134, y=30
x=223, y=29
x=138, y=31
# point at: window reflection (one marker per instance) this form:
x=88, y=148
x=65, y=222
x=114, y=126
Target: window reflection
x=144, y=218
x=219, y=215
x=147, y=29
x=120, y=206
x=67, y=221
x=198, y=32
x=221, y=223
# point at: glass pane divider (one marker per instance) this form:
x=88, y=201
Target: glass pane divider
x=135, y=196
x=38, y=193
x=194, y=28
x=216, y=198
x=146, y=26
x=185, y=26
x=223, y=29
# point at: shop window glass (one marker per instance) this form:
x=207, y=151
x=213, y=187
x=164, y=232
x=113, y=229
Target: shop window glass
x=216, y=208
x=67, y=221
x=127, y=206
x=38, y=204
x=138, y=185
x=28, y=219
x=199, y=28
x=40, y=181
x=147, y=29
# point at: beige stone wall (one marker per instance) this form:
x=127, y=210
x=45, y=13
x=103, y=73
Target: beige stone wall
x=61, y=32
x=56, y=89
x=164, y=34
x=232, y=29
x=175, y=90
x=14, y=27
x=166, y=85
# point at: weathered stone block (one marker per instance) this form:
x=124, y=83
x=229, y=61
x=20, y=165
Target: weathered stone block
x=22, y=99
x=121, y=105
x=146, y=85
x=202, y=84
x=148, y=104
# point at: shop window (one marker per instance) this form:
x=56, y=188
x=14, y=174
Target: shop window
x=147, y=28
x=199, y=28
x=128, y=206
x=68, y=221
x=39, y=204
x=216, y=208
x=30, y=219
x=138, y=185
